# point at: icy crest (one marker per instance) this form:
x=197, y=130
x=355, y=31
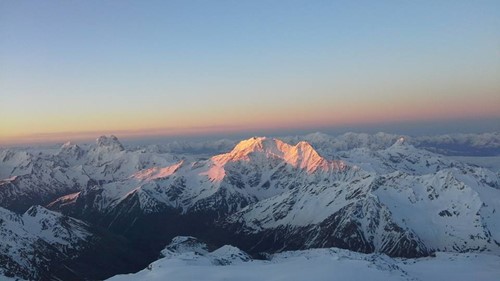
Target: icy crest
x=157, y=172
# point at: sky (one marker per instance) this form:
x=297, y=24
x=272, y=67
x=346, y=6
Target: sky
x=72, y=70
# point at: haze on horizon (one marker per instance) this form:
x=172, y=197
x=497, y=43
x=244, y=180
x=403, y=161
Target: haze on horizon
x=73, y=70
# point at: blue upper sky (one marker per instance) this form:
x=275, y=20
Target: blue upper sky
x=74, y=68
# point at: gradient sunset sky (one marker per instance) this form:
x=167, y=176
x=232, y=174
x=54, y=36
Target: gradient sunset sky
x=78, y=69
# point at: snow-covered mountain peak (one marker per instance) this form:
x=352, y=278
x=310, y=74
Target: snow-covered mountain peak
x=400, y=141
x=190, y=248
x=38, y=213
x=105, y=150
x=184, y=244
x=250, y=148
x=66, y=145
x=269, y=153
x=255, y=144
x=268, y=146
x=36, y=210
x=69, y=146
x=111, y=142
x=262, y=151
x=228, y=254
x=71, y=150
x=402, y=144
x=301, y=155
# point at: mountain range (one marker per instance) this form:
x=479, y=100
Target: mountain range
x=366, y=193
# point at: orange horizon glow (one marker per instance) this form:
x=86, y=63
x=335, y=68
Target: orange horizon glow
x=302, y=118
x=364, y=106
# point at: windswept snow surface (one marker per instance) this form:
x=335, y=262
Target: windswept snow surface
x=320, y=264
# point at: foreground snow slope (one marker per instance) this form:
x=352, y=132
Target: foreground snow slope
x=188, y=259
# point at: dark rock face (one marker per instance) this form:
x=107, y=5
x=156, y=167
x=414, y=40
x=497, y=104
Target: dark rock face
x=105, y=256
x=44, y=245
